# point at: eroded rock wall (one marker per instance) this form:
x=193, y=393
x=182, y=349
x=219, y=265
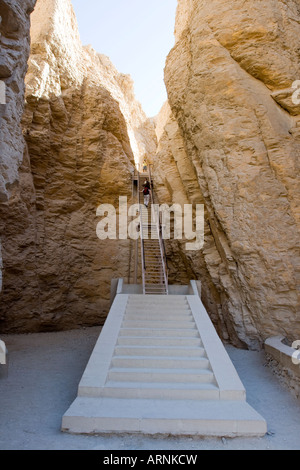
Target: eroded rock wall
x=84, y=132
x=14, y=52
x=229, y=81
x=176, y=183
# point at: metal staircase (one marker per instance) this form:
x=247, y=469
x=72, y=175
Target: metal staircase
x=154, y=264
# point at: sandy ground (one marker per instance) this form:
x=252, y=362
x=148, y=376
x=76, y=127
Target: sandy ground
x=43, y=375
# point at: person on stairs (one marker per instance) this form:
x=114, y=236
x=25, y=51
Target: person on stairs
x=145, y=165
x=146, y=192
x=146, y=183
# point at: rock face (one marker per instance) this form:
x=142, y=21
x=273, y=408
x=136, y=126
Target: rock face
x=14, y=51
x=84, y=133
x=176, y=183
x=230, y=82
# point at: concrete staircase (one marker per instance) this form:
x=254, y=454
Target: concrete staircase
x=159, y=367
x=159, y=353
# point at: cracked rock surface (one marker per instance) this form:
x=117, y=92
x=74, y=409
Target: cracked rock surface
x=229, y=79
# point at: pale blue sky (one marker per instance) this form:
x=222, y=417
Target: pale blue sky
x=137, y=36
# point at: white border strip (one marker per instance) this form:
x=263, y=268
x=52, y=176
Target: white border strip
x=229, y=383
x=95, y=374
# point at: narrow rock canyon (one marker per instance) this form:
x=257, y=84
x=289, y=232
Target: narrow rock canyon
x=72, y=134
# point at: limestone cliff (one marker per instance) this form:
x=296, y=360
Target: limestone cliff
x=176, y=183
x=229, y=79
x=14, y=51
x=84, y=131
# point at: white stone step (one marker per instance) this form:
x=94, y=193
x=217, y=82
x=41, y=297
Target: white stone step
x=159, y=351
x=159, y=362
x=157, y=316
x=161, y=375
x=159, y=309
x=170, y=300
x=157, y=324
x=155, y=288
x=164, y=391
x=159, y=332
x=158, y=292
x=156, y=342
x=175, y=417
x=154, y=307
x=151, y=300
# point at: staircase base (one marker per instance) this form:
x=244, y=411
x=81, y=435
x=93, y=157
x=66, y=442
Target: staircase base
x=159, y=367
x=175, y=417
